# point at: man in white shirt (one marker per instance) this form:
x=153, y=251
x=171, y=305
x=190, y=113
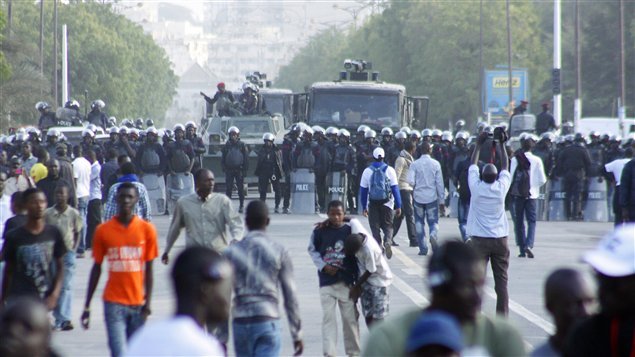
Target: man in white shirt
x=376, y=276
x=615, y=168
x=486, y=222
x=426, y=178
x=528, y=166
x=202, y=281
x=5, y=213
x=81, y=173
x=378, y=202
x=93, y=213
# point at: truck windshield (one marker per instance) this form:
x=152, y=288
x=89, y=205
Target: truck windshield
x=249, y=127
x=277, y=103
x=349, y=110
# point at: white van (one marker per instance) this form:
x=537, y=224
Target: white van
x=605, y=125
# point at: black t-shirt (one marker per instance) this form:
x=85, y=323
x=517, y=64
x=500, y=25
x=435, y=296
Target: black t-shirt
x=12, y=223
x=593, y=337
x=32, y=257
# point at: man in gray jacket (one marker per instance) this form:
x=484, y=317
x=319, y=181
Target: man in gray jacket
x=402, y=166
x=262, y=267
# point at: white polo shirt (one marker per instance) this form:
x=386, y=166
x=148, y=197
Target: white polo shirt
x=486, y=217
x=81, y=172
x=390, y=174
x=615, y=167
x=537, y=176
x=371, y=258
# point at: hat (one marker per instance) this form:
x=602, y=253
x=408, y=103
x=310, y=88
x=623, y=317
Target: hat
x=220, y=84
x=435, y=328
x=615, y=254
x=524, y=102
x=378, y=153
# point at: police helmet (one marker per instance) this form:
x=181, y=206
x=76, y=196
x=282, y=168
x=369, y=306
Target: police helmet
x=386, y=132
x=99, y=104
x=615, y=138
x=168, y=134
x=436, y=132
x=331, y=130
x=488, y=129
x=401, y=135
x=129, y=124
x=179, y=127
x=42, y=105
x=54, y=133
x=138, y=123
x=190, y=124
x=268, y=137
x=123, y=130
x=363, y=128
x=594, y=134
x=578, y=137
x=233, y=129
x=370, y=134
x=446, y=136
x=318, y=129
x=112, y=121
x=308, y=130
x=134, y=132
x=481, y=125
x=149, y=122
x=406, y=130
x=415, y=134
x=462, y=135
x=459, y=123
x=548, y=136
x=568, y=124
x=344, y=133
x=426, y=132
x=92, y=127
x=113, y=130
x=33, y=130
x=569, y=138
x=72, y=104
x=503, y=125
x=152, y=130
x=88, y=132
x=296, y=128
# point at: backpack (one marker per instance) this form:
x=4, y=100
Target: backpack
x=234, y=158
x=379, y=190
x=306, y=159
x=150, y=160
x=520, y=182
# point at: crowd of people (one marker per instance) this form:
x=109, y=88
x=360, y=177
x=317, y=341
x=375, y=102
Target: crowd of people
x=58, y=201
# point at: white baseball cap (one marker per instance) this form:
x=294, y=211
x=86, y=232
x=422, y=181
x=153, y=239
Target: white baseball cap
x=615, y=254
x=378, y=153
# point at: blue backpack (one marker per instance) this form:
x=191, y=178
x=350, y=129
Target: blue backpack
x=379, y=189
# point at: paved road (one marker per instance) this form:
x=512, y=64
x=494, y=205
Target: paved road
x=557, y=244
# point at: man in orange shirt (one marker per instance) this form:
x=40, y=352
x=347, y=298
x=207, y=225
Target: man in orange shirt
x=130, y=245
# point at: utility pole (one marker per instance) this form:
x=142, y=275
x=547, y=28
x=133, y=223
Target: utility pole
x=55, y=64
x=557, y=97
x=621, y=109
x=64, y=64
x=9, y=18
x=577, y=103
x=41, y=42
x=509, y=55
x=480, y=59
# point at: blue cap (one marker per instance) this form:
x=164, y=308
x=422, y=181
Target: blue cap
x=435, y=328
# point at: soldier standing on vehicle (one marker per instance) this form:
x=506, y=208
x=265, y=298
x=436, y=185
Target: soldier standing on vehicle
x=250, y=101
x=223, y=97
x=344, y=162
x=96, y=116
x=545, y=121
x=76, y=117
x=521, y=109
x=288, y=148
x=269, y=169
x=235, y=162
x=573, y=166
x=47, y=117
x=197, y=145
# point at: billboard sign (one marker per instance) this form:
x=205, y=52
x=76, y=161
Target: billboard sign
x=495, y=92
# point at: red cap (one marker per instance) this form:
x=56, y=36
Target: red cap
x=221, y=84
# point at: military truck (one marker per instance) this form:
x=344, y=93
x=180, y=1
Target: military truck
x=360, y=97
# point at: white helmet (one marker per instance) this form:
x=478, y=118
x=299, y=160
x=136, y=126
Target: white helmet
x=370, y=134
x=42, y=105
x=426, y=132
x=462, y=135
x=88, y=132
x=123, y=130
x=331, y=130
x=134, y=131
x=113, y=130
x=92, y=127
x=446, y=136
x=436, y=132
x=401, y=135
x=190, y=123
x=363, y=129
x=268, y=137
x=54, y=133
x=344, y=133
x=386, y=131
x=178, y=127
x=98, y=104
x=405, y=129
x=233, y=129
x=152, y=130
x=318, y=129
x=308, y=130
x=415, y=134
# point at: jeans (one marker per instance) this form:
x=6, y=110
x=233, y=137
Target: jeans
x=407, y=212
x=426, y=212
x=524, y=208
x=263, y=182
x=380, y=220
x=332, y=296
x=496, y=250
x=237, y=177
x=82, y=207
x=93, y=219
x=258, y=339
x=122, y=321
x=463, y=210
x=62, y=311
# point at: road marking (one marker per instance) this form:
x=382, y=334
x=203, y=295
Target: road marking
x=412, y=266
x=411, y=293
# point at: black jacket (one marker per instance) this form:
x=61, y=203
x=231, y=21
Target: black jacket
x=627, y=185
x=573, y=160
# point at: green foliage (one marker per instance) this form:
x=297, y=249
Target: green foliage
x=433, y=49
x=5, y=69
x=109, y=56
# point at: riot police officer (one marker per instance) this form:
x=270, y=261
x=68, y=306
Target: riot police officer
x=269, y=169
x=89, y=144
x=288, y=147
x=544, y=150
x=235, y=162
x=344, y=162
x=75, y=117
x=47, y=117
x=197, y=144
x=96, y=116
x=324, y=150
x=151, y=157
x=250, y=102
x=52, y=137
x=573, y=165
x=388, y=144
x=596, y=153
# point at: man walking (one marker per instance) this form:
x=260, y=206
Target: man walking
x=263, y=271
x=202, y=282
x=81, y=173
x=380, y=195
x=426, y=178
x=50, y=182
x=402, y=167
x=127, y=175
x=528, y=175
x=93, y=213
x=486, y=222
x=130, y=245
x=336, y=274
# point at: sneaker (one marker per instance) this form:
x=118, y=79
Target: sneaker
x=388, y=250
x=66, y=326
x=276, y=210
x=285, y=211
x=240, y=209
x=530, y=254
